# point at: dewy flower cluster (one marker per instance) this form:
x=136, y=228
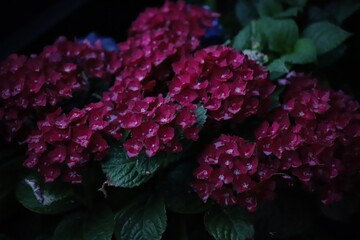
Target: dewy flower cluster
x=228, y=84
x=137, y=103
x=32, y=86
x=313, y=137
x=230, y=173
x=160, y=76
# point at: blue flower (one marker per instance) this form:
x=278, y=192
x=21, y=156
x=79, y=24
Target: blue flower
x=108, y=43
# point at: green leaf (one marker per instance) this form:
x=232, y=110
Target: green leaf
x=200, y=114
x=49, y=199
x=99, y=224
x=69, y=228
x=326, y=36
x=242, y=40
x=304, y=52
x=245, y=11
x=178, y=194
x=295, y=3
x=122, y=171
x=341, y=10
x=291, y=12
x=228, y=224
x=281, y=33
x=278, y=65
x=269, y=8
x=316, y=14
x=142, y=221
x=275, y=97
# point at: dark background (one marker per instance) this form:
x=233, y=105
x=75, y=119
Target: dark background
x=27, y=26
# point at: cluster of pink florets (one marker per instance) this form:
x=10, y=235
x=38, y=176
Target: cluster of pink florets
x=226, y=82
x=230, y=173
x=159, y=37
x=32, y=86
x=313, y=137
x=63, y=143
x=160, y=77
x=137, y=104
x=312, y=134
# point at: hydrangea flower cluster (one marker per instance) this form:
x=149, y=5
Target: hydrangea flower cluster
x=36, y=84
x=158, y=37
x=314, y=137
x=187, y=21
x=154, y=121
x=63, y=143
x=230, y=173
x=312, y=134
x=160, y=77
x=157, y=131
x=228, y=84
x=243, y=82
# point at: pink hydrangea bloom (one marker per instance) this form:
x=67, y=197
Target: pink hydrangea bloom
x=228, y=84
x=312, y=134
x=182, y=18
x=158, y=37
x=230, y=173
x=64, y=143
x=154, y=123
x=36, y=84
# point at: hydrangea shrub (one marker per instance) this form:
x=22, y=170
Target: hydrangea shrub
x=126, y=139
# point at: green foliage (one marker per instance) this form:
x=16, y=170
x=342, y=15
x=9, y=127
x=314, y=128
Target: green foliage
x=326, y=36
x=245, y=11
x=278, y=66
x=272, y=30
x=98, y=224
x=69, y=228
x=200, y=114
x=144, y=219
x=304, y=52
x=45, y=199
x=242, y=40
x=281, y=34
x=269, y=8
x=275, y=97
x=228, y=224
x=95, y=224
x=341, y=10
x=122, y=171
x=278, y=35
